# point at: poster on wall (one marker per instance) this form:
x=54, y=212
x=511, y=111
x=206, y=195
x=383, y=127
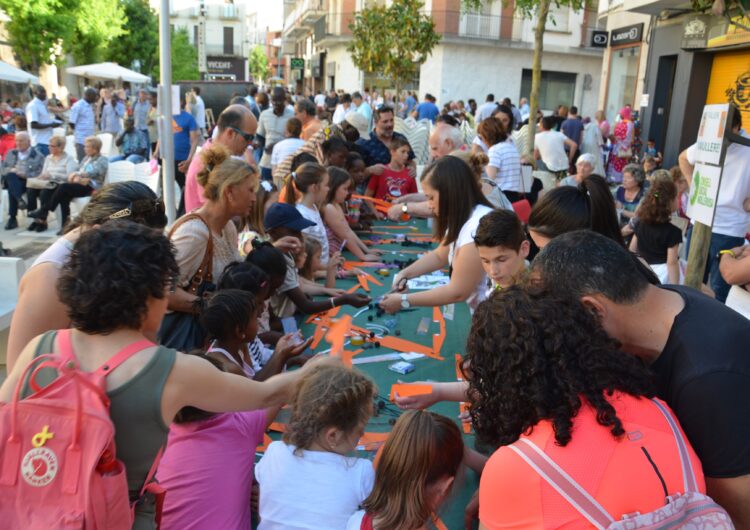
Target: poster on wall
x=710, y=142
x=730, y=81
x=703, y=193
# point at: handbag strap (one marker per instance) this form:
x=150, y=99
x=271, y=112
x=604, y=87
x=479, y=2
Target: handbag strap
x=563, y=483
x=205, y=269
x=688, y=475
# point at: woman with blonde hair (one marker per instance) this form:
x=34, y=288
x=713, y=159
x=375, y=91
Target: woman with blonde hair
x=205, y=242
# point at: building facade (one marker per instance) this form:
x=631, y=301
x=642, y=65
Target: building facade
x=488, y=51
x=226, y=36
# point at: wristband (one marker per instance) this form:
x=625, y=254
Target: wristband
x=730, y=252
x=333, y=303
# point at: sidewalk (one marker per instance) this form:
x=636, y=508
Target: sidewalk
x=26, y=245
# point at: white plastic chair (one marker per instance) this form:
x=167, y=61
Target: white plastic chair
x=11, y=270
x=120, y=171
x=70, y=146
x=142, y=173
x=739, y=300
x=107, y=143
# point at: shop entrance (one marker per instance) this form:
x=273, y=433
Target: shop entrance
x=662, y=100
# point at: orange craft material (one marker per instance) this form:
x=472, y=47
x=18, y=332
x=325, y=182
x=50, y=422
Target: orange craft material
x=408, y=390
x=439, y=338
x=337, y=335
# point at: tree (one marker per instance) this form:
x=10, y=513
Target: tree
x=394, y=40
x=38, y=29
x=184, y=58
x=258, y=63
x=98, y=22
x=140, y=41
x=531, y=9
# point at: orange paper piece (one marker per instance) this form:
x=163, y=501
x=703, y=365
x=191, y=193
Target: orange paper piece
x=337, y=335
x=438, y=339
x=278, y=427
x=317, y=336
x=266, y=442
x=362, y=279
x=439, y=524
x=402, y=345
x=408, y=390
x=371, y=278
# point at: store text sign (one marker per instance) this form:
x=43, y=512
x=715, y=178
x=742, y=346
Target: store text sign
x=627, y=35
x=703, y=193
x=710, y=143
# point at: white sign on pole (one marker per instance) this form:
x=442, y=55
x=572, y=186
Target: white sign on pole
x=703, y=193
x=711, y=134
x=175, y=100
x=644, y=100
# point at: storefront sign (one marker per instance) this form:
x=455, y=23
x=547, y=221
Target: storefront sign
x=724, y=34
x=703, y=192
x=627, y=35
x=695, y=32
x=297, y=63
x=227, y=67
x=710, y=141
x=599, y=39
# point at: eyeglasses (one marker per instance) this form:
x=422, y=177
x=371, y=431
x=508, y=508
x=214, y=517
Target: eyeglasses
x=245, y=136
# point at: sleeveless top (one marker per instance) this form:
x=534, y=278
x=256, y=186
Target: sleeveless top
x=135, y=409
x=57, y=253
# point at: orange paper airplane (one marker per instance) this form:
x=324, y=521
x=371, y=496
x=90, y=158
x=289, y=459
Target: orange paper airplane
x=408, y=390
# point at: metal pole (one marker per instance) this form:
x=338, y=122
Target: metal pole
x=166, y=141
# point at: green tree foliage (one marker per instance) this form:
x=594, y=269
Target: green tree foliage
x=184, y=58
x=98, y=23
x=535, y=10
x=257, y=63
x=140, y=41
x=37, y=29
x=393, y=41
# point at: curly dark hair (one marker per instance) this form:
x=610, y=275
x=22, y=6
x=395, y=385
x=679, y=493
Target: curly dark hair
x=112, y=272
x=329, y=396
x=658, y=203
x=533, y=355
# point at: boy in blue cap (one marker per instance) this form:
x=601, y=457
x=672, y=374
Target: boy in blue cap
x=282, y=220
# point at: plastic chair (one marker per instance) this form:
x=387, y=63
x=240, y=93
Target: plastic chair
x=142, y=173
x=107, y=143
x=120, y=171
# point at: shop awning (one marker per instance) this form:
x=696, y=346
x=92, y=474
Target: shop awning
x=108, y=71
x=15, y=75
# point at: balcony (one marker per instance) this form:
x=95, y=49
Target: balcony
x=303, y=17
x=219, y=49
x=479, y=26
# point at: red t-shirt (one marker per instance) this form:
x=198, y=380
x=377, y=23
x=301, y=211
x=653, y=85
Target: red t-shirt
x=392, y=184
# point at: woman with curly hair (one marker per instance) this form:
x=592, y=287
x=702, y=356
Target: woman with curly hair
x=656, y=239
x=115, y=285
x=544, y=376
x=308, y=480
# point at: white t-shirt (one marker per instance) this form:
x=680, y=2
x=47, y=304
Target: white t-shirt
x=285, y=148
x=318, y=231
x=478, y=141
x=551, y=145
x=320, y=100
x=730, y=218
x=355, y=521
x=465, y=237
x=37, y=111
x=315, y=491
x=200, y=112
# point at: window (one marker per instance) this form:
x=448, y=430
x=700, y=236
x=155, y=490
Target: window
x=623, y=76
x=195, y=36
x=557, y=88
x=228, y=41
x=557, y=20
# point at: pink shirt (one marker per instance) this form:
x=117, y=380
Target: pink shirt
x=193, y=191
x=207, y=469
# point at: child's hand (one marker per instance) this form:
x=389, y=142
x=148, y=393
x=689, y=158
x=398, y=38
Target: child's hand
x=335, y=261
x=335, y=292
x=287, y=346
x=288, y=244
x=372, y=257
x=356, y=300
x=380, y=216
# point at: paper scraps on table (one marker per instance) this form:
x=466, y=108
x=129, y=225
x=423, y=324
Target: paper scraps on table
x=409, y=390
x=428, y=281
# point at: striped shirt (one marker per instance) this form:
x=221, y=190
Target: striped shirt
x=504, y=157
x=82, y=117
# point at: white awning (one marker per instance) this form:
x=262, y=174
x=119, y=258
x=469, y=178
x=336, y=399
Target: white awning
x=108, y=71
x=15, y=75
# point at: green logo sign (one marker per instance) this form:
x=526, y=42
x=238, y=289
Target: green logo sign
x=297, y=63
x=696, y=185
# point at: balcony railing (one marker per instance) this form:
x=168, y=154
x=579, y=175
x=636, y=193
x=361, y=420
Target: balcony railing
x=479, y=26
x=219, y=49
x=306, y=13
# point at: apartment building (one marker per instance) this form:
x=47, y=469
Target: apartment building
x=226, y=39
x=481, y=52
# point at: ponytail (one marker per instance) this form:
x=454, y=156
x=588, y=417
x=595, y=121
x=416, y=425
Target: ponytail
x=602, y=211
x=308, y=174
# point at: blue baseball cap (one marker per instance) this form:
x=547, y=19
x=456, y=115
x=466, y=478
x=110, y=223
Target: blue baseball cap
x=285, y=215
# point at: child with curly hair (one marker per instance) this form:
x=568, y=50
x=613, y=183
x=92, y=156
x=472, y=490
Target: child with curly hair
x=308, y=480
x=655, y=238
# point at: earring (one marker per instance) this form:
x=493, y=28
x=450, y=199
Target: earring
x=242, y=336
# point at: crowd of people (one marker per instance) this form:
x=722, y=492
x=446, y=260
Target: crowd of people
x=585, y=355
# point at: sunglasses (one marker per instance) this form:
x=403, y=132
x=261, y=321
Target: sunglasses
x=245, y=136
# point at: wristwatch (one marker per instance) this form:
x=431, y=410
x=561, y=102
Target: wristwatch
x=405, y=207
x=405, y=301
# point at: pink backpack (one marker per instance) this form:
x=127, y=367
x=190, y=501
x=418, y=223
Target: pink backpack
x=692, y=509
x=58, y=463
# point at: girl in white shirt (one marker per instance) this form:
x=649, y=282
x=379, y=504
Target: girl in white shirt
x=457, y=201
x=307, y=481
x=311, y=180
